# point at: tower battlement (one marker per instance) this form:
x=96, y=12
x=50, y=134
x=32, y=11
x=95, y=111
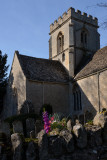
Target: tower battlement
x=76, y=15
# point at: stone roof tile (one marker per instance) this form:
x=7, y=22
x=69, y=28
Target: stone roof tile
x=43, y=69
x=97, y=63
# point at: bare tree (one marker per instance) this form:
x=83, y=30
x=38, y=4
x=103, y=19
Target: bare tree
x=103, y=5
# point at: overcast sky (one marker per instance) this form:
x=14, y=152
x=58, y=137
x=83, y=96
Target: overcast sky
x=24, y=24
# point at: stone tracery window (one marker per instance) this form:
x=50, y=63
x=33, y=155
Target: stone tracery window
x=60, y=42
x=77, y=99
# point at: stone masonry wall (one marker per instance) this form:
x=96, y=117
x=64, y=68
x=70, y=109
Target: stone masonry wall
x=89, y=93
x=94, y=92
x=48, y=93
x=16, y=90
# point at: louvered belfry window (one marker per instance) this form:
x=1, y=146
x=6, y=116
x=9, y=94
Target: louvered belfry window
x=60, y=42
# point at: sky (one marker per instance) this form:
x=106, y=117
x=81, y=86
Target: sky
x=24, y=24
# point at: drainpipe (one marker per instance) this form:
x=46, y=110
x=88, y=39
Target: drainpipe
x=99, y=92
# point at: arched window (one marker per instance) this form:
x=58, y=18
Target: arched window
x=60, y=42
x=84, y=37
x=77, y=98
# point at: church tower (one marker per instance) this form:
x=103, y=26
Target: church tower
x=73, y=36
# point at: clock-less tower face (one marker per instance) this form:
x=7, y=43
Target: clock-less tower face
x=73, y=36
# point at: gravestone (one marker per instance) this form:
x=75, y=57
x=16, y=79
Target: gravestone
x=5, y=128
x=17, y=127
x=17, y=145
x=27, y=108
x=30, y=126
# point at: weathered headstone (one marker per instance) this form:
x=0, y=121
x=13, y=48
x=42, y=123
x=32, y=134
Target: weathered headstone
x=17, y=127
x=17, y=145
x=5, y=128
x=30, y=126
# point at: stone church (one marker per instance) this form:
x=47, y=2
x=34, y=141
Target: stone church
x=72, y=80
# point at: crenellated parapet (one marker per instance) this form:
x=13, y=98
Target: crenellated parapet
x=76, y=15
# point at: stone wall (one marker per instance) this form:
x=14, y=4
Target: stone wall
x=16, y=90
x=94, y=92
x=56, y=94
x=103, y=89
x=74, y=142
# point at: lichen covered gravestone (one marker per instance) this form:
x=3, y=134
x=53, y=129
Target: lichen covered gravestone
x=17, y=145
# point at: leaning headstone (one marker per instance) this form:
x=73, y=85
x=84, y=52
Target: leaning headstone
x=38, y=127
x=17, y=145
x=5, y=128
x=30, y=126
x=17, y=127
